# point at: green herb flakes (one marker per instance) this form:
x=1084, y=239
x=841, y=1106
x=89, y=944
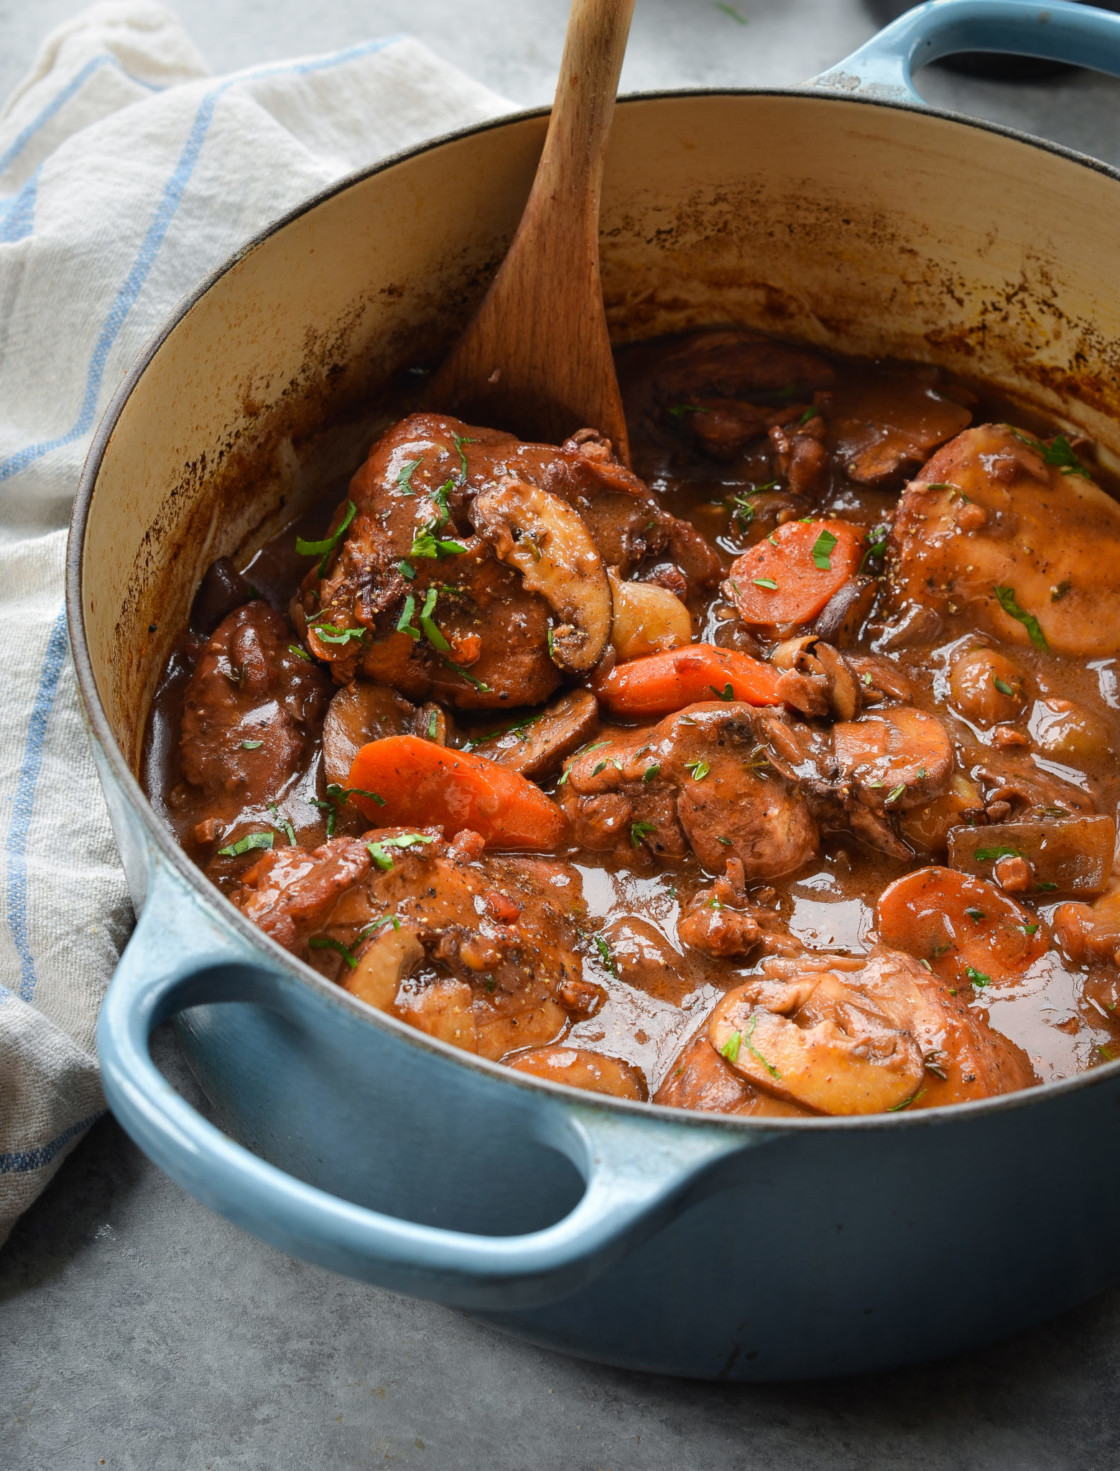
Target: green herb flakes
x=379, y=851
x=895, y=793
x=247, y=844
x=906, y=1102
x=605, y=952
x=822, y=551
x=727, y=693
x=640, y=830
x=427, y=623
x=698, y=768
x=406, y=569
x=767, y=582
x=650, y=772
x=479, y=684
x=404, y=622
x=1059, y=590
x=678, y=411
x=976, y=915
x=326, y=547
x=989, y=855
x=1005, y=596
x=730, y=1048
x=326, y=942
x=251, y=745
x=1058, y=452
x=1002, y=685
x=330, y=633
x=810, y=413
x=460, y=441
x=753, y=1050
x=404, y=479
x=282, y=822
x=977, y=977
x=299, y=653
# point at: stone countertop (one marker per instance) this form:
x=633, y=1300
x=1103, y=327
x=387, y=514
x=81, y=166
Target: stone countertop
x=142, y=1333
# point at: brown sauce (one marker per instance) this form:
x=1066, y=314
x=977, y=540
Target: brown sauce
x=656, y=993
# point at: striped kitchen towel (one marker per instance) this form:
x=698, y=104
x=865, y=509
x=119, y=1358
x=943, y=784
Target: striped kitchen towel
x=127, y=173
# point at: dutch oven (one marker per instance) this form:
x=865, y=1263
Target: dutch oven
x=844, y=213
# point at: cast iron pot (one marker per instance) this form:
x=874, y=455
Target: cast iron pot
x=844, y=214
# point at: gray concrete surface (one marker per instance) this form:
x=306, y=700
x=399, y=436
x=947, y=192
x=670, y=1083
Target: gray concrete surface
x=138, y=1332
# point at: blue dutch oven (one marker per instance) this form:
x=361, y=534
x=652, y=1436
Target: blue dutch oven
x=846, y=213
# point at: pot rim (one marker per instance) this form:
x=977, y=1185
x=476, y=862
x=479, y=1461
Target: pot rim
x=159, y=838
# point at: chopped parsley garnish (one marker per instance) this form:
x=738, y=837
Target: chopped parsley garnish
x=341, y=795
x=977, y=977
x=1044, y=888
x=699, y=769
x=753, y=1050
x=327, y=942
x=772, y=539
x=404, y=479
x=460, y=441
x=727, y=693
x=876, y=545
x=379, y=851
x=598, y=767
x=427, y=544
x=810, y=413
x=743, y=512
x=404, y=622
x=678, y=411
x=730, y=1048
x=1059, y=452
x=766, y=582
x=989, y=855
x=1030, y=929
x=730, y=11
x=1002, y=685
x=428, y=624
x=433, y=725
x=251, y=745
x=247, y=844
x=551, y=644
x=326, y=547
x=725, y=841
x=639, y=830
x=822, y=551
x=330, y=633
x=1007, y=601
x=921, y=773
x=895, y=792
x=976, y=915
x=1059, y=590
x=299, y=653
x=608, y=959
x=283, y=823
x=479, y=684
x=406, y=569
x=650, y=772
x=906, y=1102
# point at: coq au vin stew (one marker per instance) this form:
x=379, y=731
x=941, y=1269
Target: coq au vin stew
x=776, y=776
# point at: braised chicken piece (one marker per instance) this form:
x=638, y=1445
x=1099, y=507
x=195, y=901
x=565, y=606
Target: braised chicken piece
x=754, y=780
x=1012, y=533
x=700, y=780
x=473, y=568
x=843, y=1036
x=251, y=712
x=478, y=951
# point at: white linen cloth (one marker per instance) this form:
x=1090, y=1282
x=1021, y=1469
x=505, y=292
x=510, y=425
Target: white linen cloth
x=127, y=173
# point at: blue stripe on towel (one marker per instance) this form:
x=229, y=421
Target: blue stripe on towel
x=17, y=215
x=157, y=230
x=23, y=1161
x=24, y=801
x=60, y=99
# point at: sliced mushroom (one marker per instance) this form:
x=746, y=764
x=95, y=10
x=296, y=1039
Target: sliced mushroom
x=845, y=613
x=363, y=711
x=538, y=745
x=548, y=544
x=827, y=667
x=811, y=1044
x=647, y=619
x=579, y=1068
x=390, y=956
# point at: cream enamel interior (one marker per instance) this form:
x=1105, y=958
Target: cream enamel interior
x=865, y=228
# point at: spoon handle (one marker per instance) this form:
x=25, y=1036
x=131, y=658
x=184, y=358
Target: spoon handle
x=536, y=358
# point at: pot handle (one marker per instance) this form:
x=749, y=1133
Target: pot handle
x=883, y=68
x=638, y=1172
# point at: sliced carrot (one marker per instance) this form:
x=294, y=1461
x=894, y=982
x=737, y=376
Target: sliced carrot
x=966, y=930
x=662, y=683
x=422, y=784
x=790, y=576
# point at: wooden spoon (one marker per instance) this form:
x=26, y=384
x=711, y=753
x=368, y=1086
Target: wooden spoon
x=536, y=359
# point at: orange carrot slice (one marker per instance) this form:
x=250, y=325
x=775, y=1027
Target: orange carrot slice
x=662, y=683
x=790, y=576
x=425, y=785
x=966, y=930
